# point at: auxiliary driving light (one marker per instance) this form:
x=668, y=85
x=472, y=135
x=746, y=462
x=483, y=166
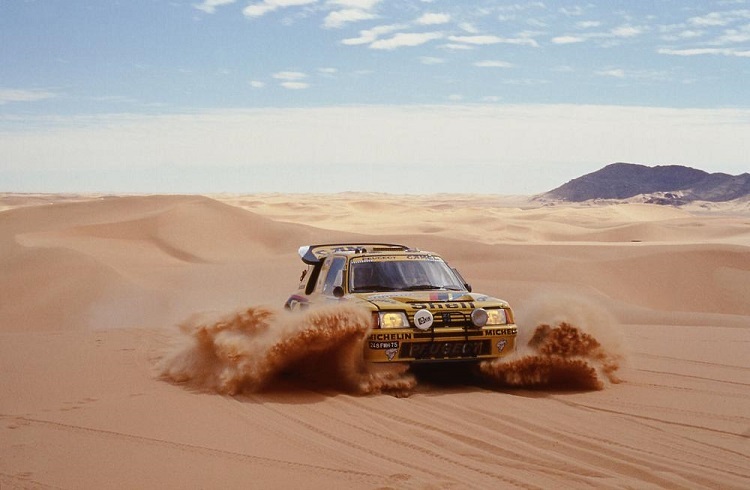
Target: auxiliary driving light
x=479, y=317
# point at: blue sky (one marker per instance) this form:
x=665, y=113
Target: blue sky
x=509, y=97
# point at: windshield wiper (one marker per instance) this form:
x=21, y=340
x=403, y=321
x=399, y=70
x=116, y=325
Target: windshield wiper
x=370, y=288
x=421, y=287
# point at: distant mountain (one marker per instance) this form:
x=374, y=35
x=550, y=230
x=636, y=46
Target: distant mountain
x=668, y=184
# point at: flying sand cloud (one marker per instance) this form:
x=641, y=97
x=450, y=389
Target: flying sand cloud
x=248, y=351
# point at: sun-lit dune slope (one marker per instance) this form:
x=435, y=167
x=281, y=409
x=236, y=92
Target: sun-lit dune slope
x=639, y=259
x=146, y=259
x=133, y=260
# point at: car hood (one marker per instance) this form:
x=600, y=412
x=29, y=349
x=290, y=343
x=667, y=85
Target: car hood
x=411, y=300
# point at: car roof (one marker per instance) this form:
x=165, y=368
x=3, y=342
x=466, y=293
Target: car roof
x=314, y=254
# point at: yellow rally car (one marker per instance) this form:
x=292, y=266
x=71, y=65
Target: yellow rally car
x=423, y=310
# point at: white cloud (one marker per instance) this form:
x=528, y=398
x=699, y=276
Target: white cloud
x=338, y=18
x=627, y=31
x=640, y=75
x=493, y=64
x=257, y=84
x=568, y=39
x=258, y=9
x=573, y=11
x=607, y=39
x=710, y=20
x=289, y=75
x=295, y=85
x=521, y=41
x=406, y=39
x=266, y=6
x=614, y=72
x=456, y=47
x=489, y=39
x=20, y=95
x=291, y=80
x=733, y=36
x=587, y=24
x=703, y=51
x=478, y=40
x=519, y=7
x=433, y=19
x=209, y=6
x=431, y=60
x=526, y=82
x=468, y=27
x=355, y=4
x=686, y=34
x=327, y=71
x=370, y=35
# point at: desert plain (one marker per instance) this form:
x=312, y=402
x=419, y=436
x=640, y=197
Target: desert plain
x=106, y=382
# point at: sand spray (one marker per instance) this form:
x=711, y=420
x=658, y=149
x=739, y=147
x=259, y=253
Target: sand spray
x=260, y=348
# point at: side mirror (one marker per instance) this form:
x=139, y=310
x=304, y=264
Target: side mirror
x=338, y=291
x=458, y=274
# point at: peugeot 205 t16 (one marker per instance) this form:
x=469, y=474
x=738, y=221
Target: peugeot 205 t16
x=422, y=309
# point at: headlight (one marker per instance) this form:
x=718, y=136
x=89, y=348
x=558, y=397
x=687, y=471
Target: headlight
x=497, y=316
x=393, y=319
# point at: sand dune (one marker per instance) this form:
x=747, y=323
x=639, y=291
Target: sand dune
x=647, y=388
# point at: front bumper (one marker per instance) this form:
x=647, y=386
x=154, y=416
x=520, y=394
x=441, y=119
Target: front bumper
x=440, y=345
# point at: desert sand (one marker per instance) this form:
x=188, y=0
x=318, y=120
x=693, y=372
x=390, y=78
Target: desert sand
x=143, y=345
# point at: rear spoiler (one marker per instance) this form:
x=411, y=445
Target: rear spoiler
x=314, y=254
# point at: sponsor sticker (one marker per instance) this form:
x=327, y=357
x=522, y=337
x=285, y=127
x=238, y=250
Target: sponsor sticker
x=423, y=319
x=500, y=331
x=390, y=336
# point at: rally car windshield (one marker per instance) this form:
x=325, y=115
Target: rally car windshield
x=402, y=275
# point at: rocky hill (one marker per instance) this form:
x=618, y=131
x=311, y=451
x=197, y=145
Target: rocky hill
x=668, y=184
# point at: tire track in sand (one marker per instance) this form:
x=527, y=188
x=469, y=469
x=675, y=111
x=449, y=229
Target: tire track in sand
x=443, y=459
x=624, y=460
x=351, y=475
x=518, y=460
